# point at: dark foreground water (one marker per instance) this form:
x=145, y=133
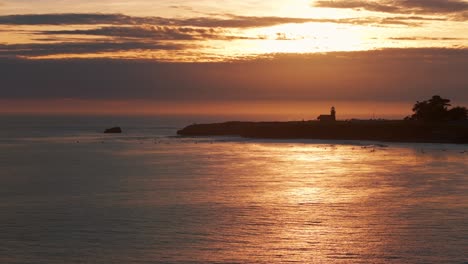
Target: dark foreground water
x=69, y=194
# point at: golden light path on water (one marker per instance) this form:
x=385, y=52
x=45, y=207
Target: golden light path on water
x=314, y=203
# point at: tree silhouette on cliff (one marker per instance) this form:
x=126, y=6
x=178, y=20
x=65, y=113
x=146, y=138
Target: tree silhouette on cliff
x=437, y=109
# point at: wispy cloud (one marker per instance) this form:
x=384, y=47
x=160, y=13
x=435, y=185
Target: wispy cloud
x=231, y=21
x=411, y=21
x=144, y=32
x=426, y=38
x=44, y=49
x=65, y=19
x=431, y=7
x=367, y=5
x=119, y=19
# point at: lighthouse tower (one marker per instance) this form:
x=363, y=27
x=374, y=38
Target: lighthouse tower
x=333, y=113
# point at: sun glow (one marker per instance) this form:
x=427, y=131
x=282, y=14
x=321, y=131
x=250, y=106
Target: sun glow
x=294, y=38
x=311, y=37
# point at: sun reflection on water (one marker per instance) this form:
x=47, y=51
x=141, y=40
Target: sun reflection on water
x=269, y=202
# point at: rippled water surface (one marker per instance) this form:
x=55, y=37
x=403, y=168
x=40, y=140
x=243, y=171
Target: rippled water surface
x=78, y=196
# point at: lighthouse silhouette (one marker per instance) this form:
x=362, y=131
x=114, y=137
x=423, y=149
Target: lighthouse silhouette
x=333, y=113
x=330, y=117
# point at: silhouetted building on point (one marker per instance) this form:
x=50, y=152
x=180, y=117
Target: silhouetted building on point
x=328, y=118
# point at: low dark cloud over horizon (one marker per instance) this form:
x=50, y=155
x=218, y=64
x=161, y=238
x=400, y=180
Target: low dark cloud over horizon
x=381, y=75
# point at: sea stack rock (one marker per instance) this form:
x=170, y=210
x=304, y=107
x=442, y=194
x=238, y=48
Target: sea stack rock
x=113, y=130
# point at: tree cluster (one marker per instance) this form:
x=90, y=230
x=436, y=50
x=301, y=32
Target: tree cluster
x=437, y=109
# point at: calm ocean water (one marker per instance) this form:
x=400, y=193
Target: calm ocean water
x=69, y=194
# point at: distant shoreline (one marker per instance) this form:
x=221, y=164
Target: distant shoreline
x=387, y=131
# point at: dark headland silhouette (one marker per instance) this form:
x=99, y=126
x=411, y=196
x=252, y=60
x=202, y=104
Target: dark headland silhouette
x=432, y=122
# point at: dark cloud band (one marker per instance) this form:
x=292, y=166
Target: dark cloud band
x=230, y=21
x=394, y=74
x=119, y=19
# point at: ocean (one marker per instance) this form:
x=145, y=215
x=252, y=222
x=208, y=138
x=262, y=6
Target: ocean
x=71, y=194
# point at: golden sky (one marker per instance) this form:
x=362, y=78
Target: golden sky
x=207, y=30
x=291, y=58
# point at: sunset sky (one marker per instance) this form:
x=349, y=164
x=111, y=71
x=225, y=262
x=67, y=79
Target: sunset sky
x=274, y=57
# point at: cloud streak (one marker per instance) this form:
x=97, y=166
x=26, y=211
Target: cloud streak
x=119, y=19
x=433, y=7
x=66, y=19
x=144, y=32
x=45, y=49
x=426, y=38
x=231, y=21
